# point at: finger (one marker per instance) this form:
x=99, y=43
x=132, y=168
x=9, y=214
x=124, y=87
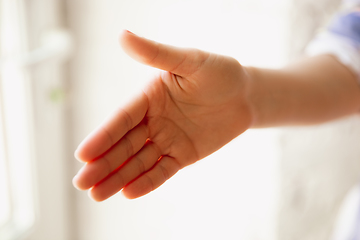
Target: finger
x=137, y=165
x=112, y=129
x=94, y=171
x=182, y=62
x=165, y=168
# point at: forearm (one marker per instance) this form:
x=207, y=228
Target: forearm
x=311, y=91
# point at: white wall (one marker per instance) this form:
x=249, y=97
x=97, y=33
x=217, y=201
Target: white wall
x=231, y=194
x=319, y=165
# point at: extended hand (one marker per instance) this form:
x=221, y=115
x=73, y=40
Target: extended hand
x=193, y=108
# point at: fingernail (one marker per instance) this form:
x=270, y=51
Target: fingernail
x=130, y=32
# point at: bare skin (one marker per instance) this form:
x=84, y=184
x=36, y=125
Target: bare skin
x=182, y=115
x=196, y=105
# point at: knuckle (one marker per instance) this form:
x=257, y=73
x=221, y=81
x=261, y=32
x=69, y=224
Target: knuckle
x=109, y=166
x=107, y=133
x=165, y=172
x=140, y=164
x=153, y=59
x=150, y=182
x=128, y=120
x=129, y=147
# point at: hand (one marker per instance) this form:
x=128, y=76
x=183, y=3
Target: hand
x=193, y=108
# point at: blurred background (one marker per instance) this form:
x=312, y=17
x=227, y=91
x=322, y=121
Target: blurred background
x=62, y=72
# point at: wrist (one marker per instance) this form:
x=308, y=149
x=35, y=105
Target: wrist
x=252, y=95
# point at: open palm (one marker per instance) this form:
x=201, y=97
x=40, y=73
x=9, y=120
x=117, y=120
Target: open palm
x=193, y=108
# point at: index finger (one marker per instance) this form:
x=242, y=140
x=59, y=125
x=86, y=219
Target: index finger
x=113, y=129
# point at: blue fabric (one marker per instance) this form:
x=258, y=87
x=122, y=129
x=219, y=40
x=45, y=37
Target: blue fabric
x=347, y=25
x=355, y=235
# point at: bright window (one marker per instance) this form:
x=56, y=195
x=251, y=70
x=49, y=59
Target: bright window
x=34, y=200
x=17, y=212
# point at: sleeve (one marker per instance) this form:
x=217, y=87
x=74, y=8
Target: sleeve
x=341, y=39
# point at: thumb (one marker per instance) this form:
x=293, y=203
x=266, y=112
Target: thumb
x=180, y=61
